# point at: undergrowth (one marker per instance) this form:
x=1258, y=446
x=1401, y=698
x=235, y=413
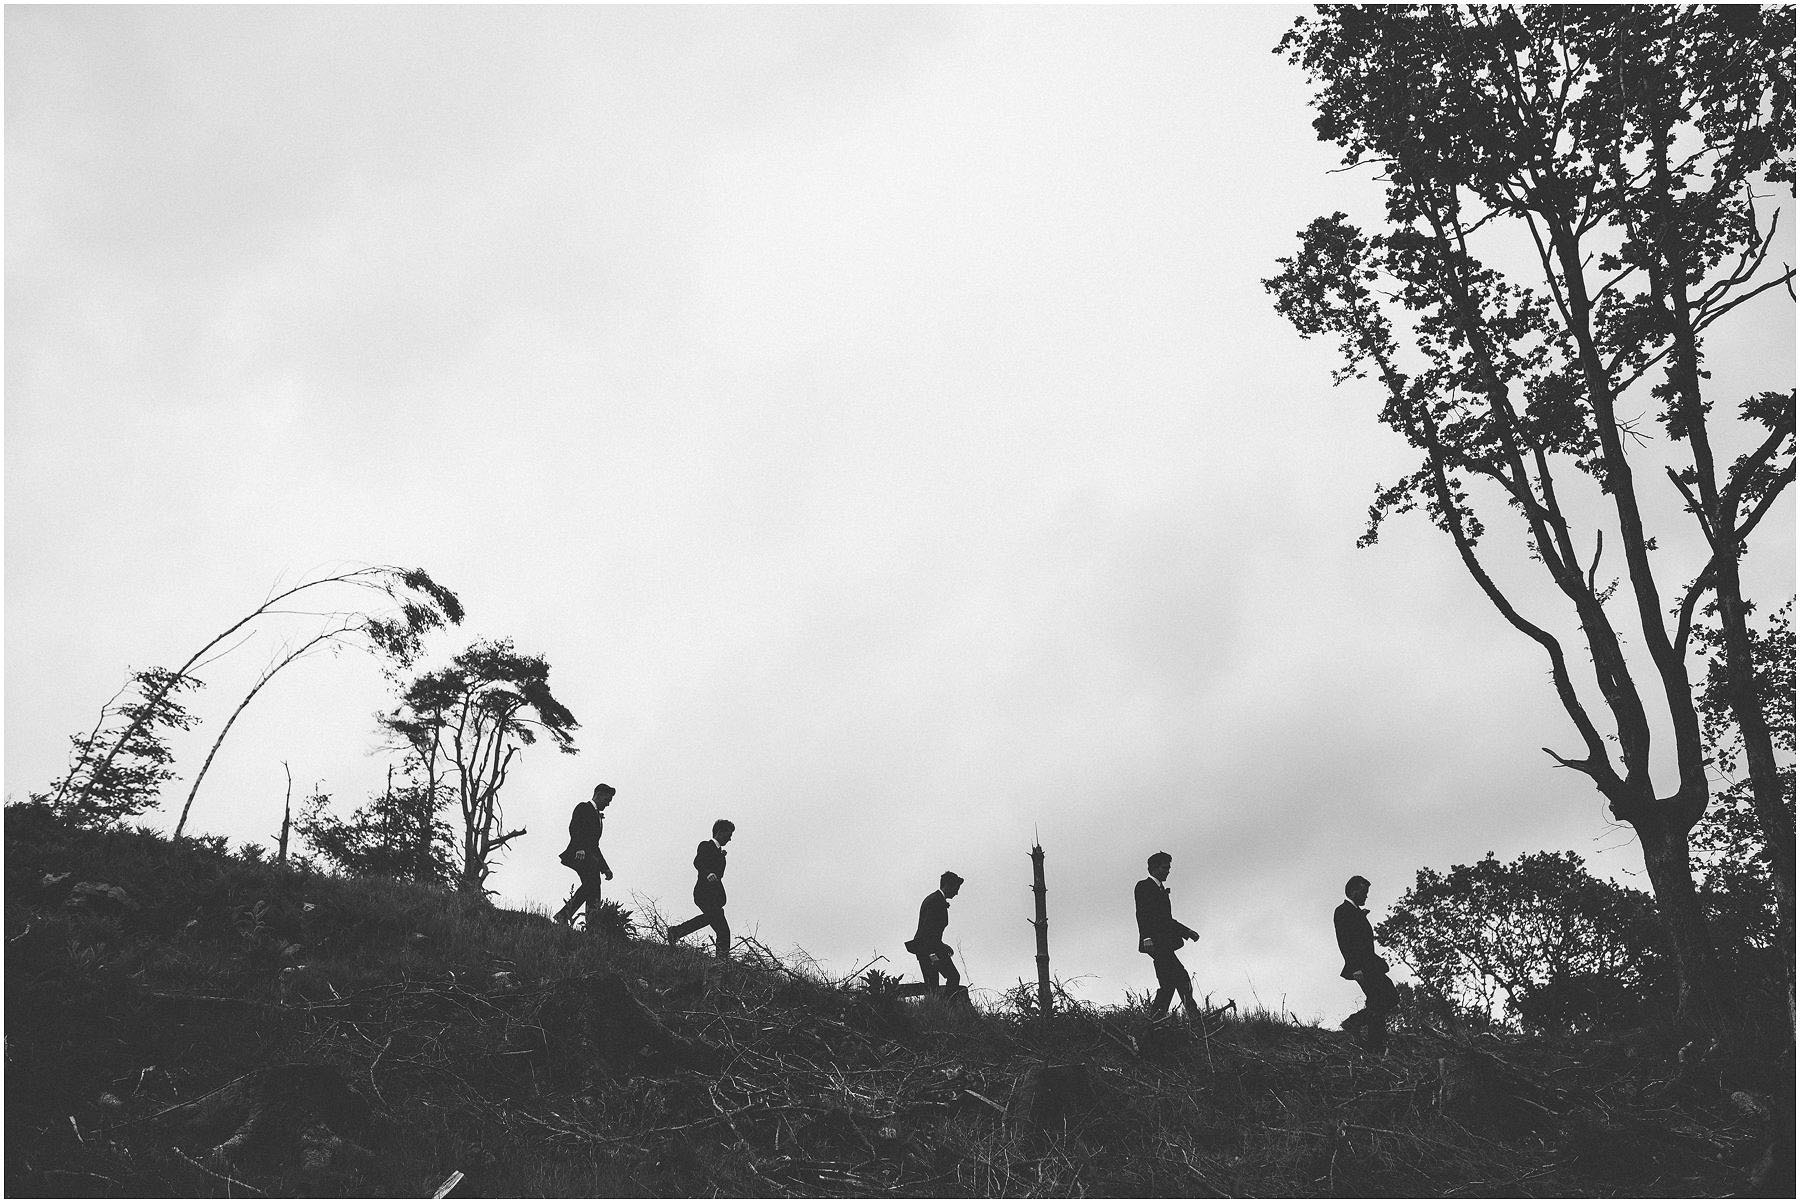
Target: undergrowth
x=495, y=1043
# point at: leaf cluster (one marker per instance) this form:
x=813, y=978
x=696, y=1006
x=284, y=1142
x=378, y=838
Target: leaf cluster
x=104, y=790
x=487, y=686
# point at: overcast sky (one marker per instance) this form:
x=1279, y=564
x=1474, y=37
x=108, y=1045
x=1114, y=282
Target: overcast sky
x=874, y=414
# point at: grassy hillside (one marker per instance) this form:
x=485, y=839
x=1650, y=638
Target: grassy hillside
x=162, y=1039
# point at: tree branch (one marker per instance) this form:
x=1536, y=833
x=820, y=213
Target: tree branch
x=1777, y=486
x=1596, y=765
x=1594, y=568
x=1694, y=507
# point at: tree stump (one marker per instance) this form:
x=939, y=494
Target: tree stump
x=279, y=1119
x=601, y=1012
x=1048, y=1095
x=1476, y=1092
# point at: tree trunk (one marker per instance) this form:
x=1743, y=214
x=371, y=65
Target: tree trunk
x=268, y=676
x=427, y=817
x=1043, y=932
x=287, y=814
x=1702, y=1001
x=1724, y=530
x=467, y=881
x=1768, y=794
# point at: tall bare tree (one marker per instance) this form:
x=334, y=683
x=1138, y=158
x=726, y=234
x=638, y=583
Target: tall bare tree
x=1627, y=150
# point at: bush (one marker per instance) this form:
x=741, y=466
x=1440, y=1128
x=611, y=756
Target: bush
x=607, y=918
x=1539, y=941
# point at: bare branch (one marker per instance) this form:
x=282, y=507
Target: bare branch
x=1786, y=280
x=200, y=776
x=1580, y=766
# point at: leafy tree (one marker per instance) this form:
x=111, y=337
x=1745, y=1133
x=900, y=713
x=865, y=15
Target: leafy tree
x=1608, y=160
x=117, y=770
x=379, y=839
x=1539, y=941
x=464, y=724
x=93, y=784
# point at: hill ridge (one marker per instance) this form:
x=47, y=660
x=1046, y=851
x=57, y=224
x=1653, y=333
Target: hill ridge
x=185, y=1022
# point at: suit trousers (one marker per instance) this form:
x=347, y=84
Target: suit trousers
x=587, y=893
x=1171, y=979
x=710, y=898
x=937, y=963
x=1379, y=998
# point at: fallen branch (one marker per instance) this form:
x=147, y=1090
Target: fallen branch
x=215, y=1174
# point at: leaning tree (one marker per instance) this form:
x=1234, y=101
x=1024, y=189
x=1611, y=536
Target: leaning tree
x=463, y=725
x=1574, y=198
x=394, y=633
x=117, y=770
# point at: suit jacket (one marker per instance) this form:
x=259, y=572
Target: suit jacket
x=709, y=858
x=585, y=825
x=934, y=917
x=1356, y=940
x=1155, y=922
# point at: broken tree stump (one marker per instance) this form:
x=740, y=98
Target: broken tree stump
x=600, y=1011
x=1046, y=1096
x=282, y=1118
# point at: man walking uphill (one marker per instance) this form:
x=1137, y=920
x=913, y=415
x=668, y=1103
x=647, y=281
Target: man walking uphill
x=928, y=941
x=709, y=889
x=1159, y=935
x=1356, y=940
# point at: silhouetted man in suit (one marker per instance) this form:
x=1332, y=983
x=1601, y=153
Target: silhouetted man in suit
x=928, y=941
x=1356, y=940
x=709, y=889
x=583, y=853
x=1160, y=935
